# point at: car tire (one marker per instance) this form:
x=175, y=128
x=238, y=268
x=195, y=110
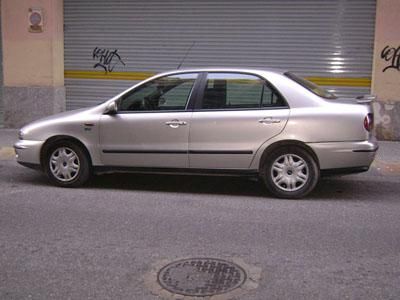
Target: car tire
x=290, y=172
x=67, y=164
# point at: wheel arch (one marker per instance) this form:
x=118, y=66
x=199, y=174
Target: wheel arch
x=54, y=139
x=286, y=143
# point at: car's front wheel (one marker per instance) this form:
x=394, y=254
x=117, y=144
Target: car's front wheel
x=67, y=164
x=290, y=172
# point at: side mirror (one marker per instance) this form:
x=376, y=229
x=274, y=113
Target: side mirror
x=111, y=108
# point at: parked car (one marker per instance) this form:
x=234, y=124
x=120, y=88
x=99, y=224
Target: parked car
x=266, y=123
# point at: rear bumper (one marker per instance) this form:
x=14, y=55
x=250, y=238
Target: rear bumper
x=345, y=155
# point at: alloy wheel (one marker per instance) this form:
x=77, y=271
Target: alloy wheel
x=64, y=164
x=290, y=172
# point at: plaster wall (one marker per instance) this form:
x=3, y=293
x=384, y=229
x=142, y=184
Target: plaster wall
x=32, y=61
x=386, y=69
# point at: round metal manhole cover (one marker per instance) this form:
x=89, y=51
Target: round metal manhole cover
x=201, y=277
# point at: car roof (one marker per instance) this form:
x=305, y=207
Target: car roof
x=260, y=72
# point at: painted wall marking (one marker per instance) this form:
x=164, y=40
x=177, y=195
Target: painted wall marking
x=106, y=58
x=391, y=55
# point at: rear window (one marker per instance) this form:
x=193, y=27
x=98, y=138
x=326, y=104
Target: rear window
x=238, y=91
x=317, y=90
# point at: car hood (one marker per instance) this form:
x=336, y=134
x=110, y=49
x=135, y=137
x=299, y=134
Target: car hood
x=34, y=129
x=61, y=115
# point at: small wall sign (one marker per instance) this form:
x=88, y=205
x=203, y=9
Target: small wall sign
x=35, y=20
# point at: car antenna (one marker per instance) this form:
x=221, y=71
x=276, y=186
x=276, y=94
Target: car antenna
x=186, y=54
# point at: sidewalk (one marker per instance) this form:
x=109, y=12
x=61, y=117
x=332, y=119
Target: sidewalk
x=386, y=162
x=7, y=139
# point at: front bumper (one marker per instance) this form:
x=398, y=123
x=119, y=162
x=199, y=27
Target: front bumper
x=342, y=155
x=28, y=152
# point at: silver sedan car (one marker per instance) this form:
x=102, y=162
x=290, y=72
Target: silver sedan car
x=266, y=123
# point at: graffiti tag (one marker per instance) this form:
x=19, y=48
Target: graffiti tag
x=106, y=58
x=391, y=55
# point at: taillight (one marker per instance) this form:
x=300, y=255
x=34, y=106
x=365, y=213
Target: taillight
x=369, y=122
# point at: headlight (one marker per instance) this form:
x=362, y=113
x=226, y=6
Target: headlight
x=20, y=135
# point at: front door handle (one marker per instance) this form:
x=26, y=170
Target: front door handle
x=269, y=120
x=175, y=123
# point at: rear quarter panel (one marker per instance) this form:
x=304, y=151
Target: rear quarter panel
x=330, y=123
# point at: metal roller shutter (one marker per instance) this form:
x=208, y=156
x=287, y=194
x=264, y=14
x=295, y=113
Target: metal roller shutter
x=322, y=39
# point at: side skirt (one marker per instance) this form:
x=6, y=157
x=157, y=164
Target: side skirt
x=177, y=171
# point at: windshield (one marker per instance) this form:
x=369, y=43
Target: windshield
x=319, y=91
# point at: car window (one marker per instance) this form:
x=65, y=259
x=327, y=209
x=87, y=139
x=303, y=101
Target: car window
x=165, y=93
x=271, y=98
x=236, y=90
x=311, y=86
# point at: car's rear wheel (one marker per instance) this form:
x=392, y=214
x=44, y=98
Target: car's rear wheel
x=290, y=172
x=67, y=164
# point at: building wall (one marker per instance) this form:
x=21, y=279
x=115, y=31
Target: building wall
x=33, y=62
x=386, y=70
x=1, y=75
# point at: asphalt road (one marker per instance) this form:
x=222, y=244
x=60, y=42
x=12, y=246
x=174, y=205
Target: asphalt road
x=97, y=242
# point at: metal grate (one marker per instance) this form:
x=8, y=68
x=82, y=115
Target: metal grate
x=201, y=277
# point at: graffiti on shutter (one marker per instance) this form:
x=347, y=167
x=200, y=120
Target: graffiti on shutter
x=106, y=58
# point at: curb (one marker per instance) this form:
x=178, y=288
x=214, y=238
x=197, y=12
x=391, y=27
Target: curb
x=7, y=153
x=387, y=168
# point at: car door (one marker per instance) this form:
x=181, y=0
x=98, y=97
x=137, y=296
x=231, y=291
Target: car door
x=151, y=126
x=236, y=114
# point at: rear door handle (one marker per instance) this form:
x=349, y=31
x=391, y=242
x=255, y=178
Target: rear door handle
x=175, y=123
x=269, y=120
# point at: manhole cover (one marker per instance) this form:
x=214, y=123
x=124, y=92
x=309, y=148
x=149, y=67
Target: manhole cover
x=201, y=277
